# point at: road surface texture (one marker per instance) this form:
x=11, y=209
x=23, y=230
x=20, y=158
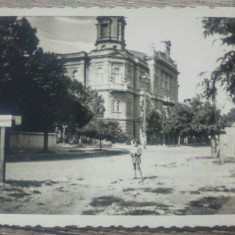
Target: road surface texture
x=182, y=180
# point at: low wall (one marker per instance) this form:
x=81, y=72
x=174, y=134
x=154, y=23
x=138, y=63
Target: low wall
x=30, y=140
x=227, y=142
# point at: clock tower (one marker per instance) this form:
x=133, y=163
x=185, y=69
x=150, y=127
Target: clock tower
x=110, y=32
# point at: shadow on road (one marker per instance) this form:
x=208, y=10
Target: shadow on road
x=69, y=155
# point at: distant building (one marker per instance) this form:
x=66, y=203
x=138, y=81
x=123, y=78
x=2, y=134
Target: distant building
x=124, y=78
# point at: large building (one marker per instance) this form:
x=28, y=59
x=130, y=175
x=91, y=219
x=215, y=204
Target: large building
x=125, y=78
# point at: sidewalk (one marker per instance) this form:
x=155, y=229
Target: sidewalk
x=65, y=152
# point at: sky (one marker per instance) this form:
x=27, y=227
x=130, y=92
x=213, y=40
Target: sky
x=192, y=52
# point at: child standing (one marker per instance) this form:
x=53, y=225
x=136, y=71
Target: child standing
x=136, y=153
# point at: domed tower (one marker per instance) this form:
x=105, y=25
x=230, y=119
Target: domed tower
x=110, y=32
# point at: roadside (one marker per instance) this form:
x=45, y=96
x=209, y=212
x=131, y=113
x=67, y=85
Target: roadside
x=177, y=181
x=66, y=152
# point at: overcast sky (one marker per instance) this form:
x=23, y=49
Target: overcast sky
x=191, y=51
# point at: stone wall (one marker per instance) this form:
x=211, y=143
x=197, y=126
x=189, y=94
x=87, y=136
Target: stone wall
x=30, y=140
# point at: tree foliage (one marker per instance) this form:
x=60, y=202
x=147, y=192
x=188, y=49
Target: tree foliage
x=229, y=118
x=34, y=84
x=207, y=120
x=194, y=117
x=104, y=129
x=18, y=43
x=225, y=72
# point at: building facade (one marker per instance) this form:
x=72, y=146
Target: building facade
x=125, y=78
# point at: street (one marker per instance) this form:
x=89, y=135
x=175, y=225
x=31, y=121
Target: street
x=177, y=181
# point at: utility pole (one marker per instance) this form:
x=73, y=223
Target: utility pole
x=144, y=120
x=5, y=121
x=146, y=81
x=2, y=157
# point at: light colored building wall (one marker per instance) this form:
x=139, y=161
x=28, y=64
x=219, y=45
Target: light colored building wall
x=227, y=142
x=122, y=77
x=30, y=140
x=75, y=70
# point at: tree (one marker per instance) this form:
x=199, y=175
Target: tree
x=180, y=119
x=34, y=83
x=224, y=73
x=207, y=120
x=229, y=118
x=18, y=43
x=92, y=103
x=194, y=117
x=54, y=98
x=104, y=129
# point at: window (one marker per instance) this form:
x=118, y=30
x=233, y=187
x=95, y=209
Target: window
x=117, y=75
x=99, y=75
x=115, y=107
x=129, y=107
x=104, y=30
x=75, y=74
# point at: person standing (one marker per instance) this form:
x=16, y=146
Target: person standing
x=136, y=153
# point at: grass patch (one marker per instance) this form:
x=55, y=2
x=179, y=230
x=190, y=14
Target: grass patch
x=150, y=177
x=50, y=182
x=5, y=199
x=129, y=190
x=19, y=195
x=41, y=204
x=194, y=192
x=36, y=192
x=105, y=201
x=180, y=212
x=159, y=190
x=215, y=189
x=136, y=204
x=91, y=212
x=13, y=190
x=142, y=212
x=25, y=183
x=205, y=206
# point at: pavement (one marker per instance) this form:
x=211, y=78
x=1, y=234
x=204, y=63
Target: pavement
x=67, y=152
x=176, y=180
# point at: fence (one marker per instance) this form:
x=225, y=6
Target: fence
x=227, y=142
x=30, y=140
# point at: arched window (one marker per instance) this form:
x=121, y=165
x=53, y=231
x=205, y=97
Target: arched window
x=99, y=75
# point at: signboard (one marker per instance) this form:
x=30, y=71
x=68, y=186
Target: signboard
x=5, y=120
x=17, y=119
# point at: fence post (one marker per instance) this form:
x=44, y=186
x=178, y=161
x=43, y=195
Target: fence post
x=2, y=158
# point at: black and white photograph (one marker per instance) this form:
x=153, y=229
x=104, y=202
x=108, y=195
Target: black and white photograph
x=117, y=115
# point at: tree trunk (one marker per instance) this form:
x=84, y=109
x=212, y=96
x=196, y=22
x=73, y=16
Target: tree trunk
x=179, y=140
x=45, y=144
x=100, y=144
x=163, y=141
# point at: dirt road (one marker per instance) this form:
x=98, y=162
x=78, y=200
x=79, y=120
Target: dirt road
x=177, y=181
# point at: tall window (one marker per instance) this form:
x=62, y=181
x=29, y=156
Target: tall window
x=117, y=76
x=129, y=107
x=104, y=30
x=171, y=81
x=99, y=75
x=75, y=74
x=115, y=106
